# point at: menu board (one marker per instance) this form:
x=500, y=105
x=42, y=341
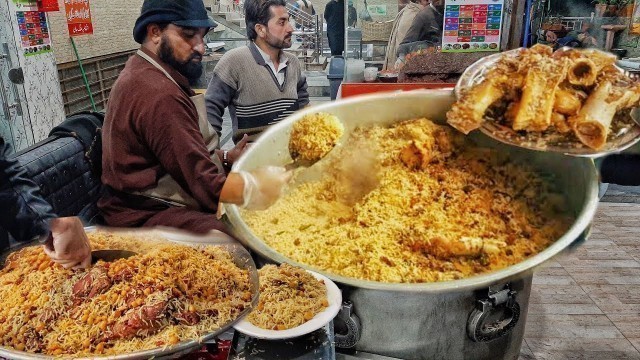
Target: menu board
x=472, y=25
x=34, y=32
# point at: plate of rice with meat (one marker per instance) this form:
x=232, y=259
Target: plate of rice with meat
x=293, y=302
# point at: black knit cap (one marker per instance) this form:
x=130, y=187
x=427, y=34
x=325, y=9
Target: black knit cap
x=188, y=13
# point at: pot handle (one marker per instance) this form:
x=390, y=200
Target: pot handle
x=504, y=300
x=352, y=324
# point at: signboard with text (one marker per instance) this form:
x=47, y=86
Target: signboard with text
x=48, y=5
x=472, y=25
x=78, y=16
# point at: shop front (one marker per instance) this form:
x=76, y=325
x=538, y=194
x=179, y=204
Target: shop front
x=397, y=45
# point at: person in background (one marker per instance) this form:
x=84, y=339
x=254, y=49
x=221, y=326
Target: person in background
x=579, y=38
x=334, y=16
x=427, y=25
x=159, y=162
x=352, y=15
x=260, y=83
x=365, y=15
x=401, y=25
x=304, y=20
x=305, y=6
x=548, y=37
x=27, y=216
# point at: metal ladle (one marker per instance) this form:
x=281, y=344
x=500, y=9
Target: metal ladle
x=296, y=153
x=109, y=255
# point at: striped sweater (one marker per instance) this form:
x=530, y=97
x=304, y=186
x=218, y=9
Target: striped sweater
x=243, y=82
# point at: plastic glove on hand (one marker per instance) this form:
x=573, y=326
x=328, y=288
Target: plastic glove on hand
x=68, y=244
x=264, y=186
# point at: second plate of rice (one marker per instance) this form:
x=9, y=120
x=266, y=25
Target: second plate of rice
x=334, y=301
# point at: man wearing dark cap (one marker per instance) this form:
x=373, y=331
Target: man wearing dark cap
x=159, y=160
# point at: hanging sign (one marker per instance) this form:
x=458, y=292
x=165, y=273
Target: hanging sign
x=48, y=5
x=78, y=17
x=472, y=25
x=34, y=32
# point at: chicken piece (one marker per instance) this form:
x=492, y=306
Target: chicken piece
x=415, y=155
x=140, y=321
x=94, y=282
x=464, y=246
x=187, y=317
x=429, y=149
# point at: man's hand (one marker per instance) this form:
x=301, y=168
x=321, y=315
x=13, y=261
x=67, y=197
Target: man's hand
x=68, y=244
x=264, y=186
x=235, y=153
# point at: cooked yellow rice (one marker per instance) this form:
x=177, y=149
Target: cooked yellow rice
x=416, y=205
x=201, y=280
x=314, y=136
x=289, y=297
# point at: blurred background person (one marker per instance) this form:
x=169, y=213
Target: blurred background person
x=548, y=37
x=334, y=16
x=401, y=26
x=352, y=15
x=425, y=30
x=582, y=38
x=306, y=8
x=427, y=24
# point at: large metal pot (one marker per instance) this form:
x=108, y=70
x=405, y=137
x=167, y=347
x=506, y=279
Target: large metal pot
x=431, y=320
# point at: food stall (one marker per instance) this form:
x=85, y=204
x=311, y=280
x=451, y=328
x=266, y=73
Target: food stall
x=469, y=30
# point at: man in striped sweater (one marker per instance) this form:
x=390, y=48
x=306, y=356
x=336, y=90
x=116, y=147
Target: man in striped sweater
x=260, y=83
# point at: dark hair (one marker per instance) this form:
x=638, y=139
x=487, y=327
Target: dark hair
x=258, y=12
x=162, y=25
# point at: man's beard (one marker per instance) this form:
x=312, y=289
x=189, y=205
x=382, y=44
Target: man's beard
x=277, y=43
x=192, y=70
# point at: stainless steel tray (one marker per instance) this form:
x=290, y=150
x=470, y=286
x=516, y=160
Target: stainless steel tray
x=619, y=139
x=241, y=257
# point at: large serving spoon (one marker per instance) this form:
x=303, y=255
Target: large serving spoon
x=312, y=138
x=110, y=255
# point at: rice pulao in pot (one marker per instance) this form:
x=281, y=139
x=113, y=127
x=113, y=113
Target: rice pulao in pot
x=480, y=317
